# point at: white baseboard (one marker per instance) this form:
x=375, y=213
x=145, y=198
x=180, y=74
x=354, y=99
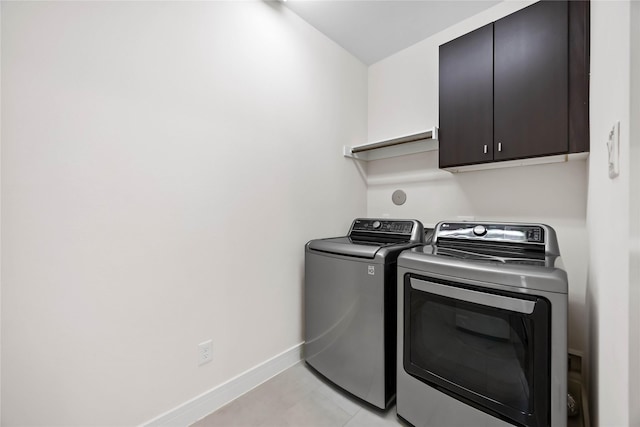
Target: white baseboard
x=201, y=406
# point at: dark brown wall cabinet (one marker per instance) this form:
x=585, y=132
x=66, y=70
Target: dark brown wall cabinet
x=506, y=91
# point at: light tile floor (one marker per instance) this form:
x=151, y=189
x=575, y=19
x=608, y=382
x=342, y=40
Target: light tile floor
x=298, y=397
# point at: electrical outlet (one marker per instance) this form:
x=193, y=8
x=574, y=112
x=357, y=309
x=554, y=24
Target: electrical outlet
x=205, y=352
x=575, y=362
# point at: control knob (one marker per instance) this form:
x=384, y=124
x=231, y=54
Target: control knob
x=479, y=230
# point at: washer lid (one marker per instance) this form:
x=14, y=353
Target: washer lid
x=347, y=246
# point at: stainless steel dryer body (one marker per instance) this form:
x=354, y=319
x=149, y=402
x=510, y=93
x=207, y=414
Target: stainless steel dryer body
x=482, y=328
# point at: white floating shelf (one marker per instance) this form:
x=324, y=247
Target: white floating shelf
x=410, y=144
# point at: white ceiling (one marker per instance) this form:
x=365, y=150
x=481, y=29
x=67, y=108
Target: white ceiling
x=374, y=29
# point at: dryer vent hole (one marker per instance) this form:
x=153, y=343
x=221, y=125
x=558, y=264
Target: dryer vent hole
x=399, y=197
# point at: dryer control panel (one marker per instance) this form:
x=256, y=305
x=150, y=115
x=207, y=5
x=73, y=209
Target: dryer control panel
x=538, y=236
x=506, y=233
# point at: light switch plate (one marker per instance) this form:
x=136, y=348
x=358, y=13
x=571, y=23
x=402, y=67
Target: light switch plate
x=613, y=146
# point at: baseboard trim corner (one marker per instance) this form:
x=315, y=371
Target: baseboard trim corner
x=199, y=407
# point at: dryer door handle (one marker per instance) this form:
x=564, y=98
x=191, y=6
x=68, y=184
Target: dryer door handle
x=476, y=297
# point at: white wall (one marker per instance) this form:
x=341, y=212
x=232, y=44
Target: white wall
x=0, y=217
x=634, y=219
x=403, y=99
x=608, y=215
x=163, y=165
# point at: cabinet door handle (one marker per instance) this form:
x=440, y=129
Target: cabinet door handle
x=499, y=146
x=485, y=149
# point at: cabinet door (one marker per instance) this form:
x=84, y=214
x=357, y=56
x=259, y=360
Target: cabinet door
x=531, y=82
x=466, y=99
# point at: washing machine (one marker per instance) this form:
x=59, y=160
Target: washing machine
x=350, y=306
x=482, y=328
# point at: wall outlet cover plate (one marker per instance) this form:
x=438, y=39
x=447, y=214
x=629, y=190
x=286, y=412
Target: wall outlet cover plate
x=613, y=146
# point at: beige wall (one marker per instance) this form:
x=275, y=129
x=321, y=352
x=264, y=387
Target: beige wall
x=163, y=164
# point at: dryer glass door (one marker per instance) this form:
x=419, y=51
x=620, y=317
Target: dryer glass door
x=487, y=348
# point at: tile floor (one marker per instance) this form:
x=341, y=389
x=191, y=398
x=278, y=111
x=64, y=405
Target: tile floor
x=298, y=397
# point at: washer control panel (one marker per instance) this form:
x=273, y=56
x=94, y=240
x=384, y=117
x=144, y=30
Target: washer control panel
x=479, y=230
x=382, y=226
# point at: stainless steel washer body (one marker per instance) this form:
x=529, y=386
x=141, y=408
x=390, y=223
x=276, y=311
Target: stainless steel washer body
x=350, y=303
x=464, y=304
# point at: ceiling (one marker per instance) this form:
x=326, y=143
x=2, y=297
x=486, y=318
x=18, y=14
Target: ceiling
x=374, y=29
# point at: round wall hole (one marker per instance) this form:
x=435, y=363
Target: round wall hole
x=399, y=197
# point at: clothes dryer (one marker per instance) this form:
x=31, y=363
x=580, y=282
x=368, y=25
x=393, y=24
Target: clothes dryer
x=482, y=328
